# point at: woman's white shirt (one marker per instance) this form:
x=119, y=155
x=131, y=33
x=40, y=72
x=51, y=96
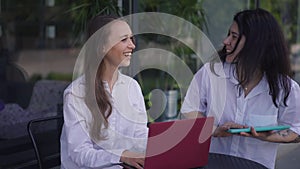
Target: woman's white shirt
x=220, y=96
x=127, y=128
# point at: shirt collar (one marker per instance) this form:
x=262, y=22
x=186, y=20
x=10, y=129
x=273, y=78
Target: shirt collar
x=120, y=80
x=261, y=87
x=230, y=74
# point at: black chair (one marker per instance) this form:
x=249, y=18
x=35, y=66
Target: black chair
x=45, y=136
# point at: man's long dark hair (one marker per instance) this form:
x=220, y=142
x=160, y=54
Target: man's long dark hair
x=265, y=50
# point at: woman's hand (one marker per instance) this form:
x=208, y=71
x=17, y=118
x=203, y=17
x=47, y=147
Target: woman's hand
x=259, y=135
x=283, y=136
x=133, y=158
x=221, y=130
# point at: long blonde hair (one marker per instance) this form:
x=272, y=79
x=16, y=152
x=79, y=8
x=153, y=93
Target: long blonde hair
x=97, y=98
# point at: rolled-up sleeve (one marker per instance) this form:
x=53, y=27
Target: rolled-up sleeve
x=196, y=97
x=290, y=114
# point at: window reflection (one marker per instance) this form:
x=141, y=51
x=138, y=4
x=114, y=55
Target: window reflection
x=39, y=41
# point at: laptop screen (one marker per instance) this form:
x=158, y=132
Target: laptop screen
x=179, y=144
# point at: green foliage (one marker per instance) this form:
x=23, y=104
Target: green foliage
x=286, y=13
x=35, y=78
x=51, y=76
x=59, y=76
x=82, y=11
x=191, y=10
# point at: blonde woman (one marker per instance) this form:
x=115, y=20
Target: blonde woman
x=104, y=112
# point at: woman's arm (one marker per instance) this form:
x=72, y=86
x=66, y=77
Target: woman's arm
x=141, y=129
x=288, y=115
x=283, y=136
x=79, y=146
x=195, y=101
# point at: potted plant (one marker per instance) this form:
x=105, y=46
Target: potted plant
x=191, y=11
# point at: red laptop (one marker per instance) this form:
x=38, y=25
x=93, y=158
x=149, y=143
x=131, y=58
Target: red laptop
x=179, y=144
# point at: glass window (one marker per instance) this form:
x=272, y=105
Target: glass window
x=287, y=14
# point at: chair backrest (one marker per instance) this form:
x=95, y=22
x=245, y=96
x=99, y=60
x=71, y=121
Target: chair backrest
x=45, y=136
x=46, y=95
